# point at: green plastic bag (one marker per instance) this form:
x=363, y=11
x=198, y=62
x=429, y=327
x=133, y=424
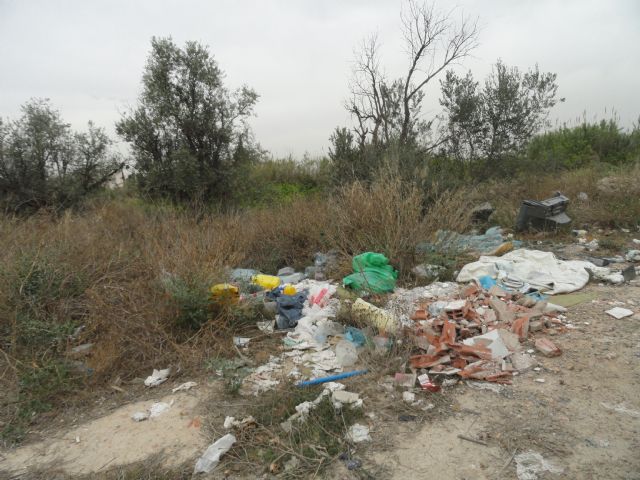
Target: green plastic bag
x=372, y=273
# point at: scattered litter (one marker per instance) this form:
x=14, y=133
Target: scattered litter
x=409, y=397
x=331, y=378
x=343, y=396
x=241, y=341
x=268, y=282
x=358, y=433
x=540, y=380
x=491, y=242
x=346, y=353
x=540, y=270
x=426, y=383
x=619, y=312
x=140, y=416
x=211, y=457
x=621, y=408
x=633, y=256
x=381, y=319
x=184, y=387
x=406, y=380
x=265, y=326
x=158, y=409
x=157, y=377
x=225, y=292
x=231, y=422
x=531, y=465
x=427, y=270
x=372, y=273
x=545, y=214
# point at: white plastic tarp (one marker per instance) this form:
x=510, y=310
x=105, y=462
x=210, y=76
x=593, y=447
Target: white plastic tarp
x=541, y=270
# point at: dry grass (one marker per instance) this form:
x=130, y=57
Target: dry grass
x=108, y=269
x=611, y=203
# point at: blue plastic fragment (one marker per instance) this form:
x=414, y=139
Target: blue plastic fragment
x=487, y=282
x=355, y=336
x=331, y=378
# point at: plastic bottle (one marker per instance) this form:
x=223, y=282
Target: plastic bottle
x=268, y=282
x=289, y=289
x=225, y=292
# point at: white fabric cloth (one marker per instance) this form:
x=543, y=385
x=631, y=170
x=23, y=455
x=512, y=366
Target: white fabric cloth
x=541, y=270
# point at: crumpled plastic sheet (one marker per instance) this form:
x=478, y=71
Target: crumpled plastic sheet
x=541, y=270
x=452, y=241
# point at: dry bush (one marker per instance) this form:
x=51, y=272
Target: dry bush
x=390, y=217
x=613, y=195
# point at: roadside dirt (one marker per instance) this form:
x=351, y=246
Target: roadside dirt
x=584, y=419
x=570, y=419
x=115, y=439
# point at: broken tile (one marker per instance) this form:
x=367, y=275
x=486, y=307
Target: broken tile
x=547, y=347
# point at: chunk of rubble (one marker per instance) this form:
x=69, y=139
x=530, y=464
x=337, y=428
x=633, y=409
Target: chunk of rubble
x=547, y=347
x=619, y=312
x=522, y=361
x=500, y=342
x=502, y=312
x=343, y=396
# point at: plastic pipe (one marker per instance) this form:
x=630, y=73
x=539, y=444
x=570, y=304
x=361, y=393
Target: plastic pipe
x=331, y=378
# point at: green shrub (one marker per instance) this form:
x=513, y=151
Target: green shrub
x=190, y=299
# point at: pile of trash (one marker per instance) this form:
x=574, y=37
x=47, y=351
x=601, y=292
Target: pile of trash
x=472, y=332
x=477, y=336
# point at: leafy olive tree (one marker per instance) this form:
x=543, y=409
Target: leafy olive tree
x=494, y=122
x=44, y=164
x=187, y=124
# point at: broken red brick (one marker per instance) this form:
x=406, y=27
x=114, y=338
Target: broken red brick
x=547, y=347
x=425, y=361
x=520, y=327
x=470, y=291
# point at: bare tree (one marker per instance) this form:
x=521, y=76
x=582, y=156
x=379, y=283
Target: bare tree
x=387, y=110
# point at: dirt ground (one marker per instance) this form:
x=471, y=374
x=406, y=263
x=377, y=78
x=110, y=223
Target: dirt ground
x=584, y=419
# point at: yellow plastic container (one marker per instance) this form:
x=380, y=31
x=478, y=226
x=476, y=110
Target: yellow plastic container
x=225, y=292
x=268, y=282
x=289, y=289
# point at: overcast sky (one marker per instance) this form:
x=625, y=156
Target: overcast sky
x=88, y=56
